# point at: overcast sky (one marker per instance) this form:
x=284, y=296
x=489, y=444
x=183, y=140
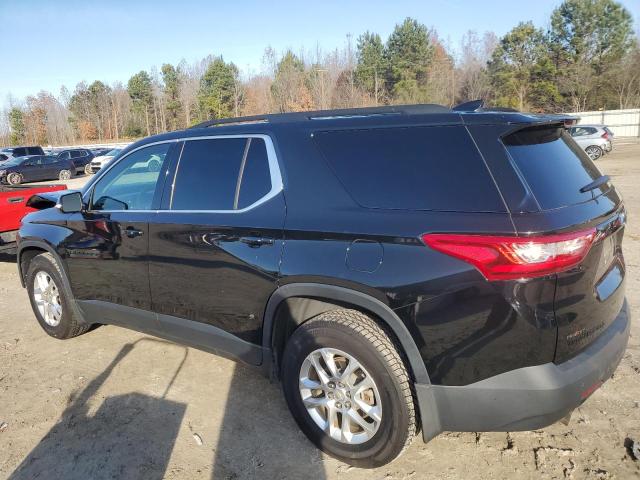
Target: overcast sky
x=46, y=44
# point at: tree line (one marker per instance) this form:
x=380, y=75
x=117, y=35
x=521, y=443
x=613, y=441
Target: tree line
x=588, y=59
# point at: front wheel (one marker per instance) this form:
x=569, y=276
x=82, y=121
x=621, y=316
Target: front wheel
x=349, y=389
x=87, y=169
x=50, y=300
x=64, y=175
x=14, y=179
x=594, y=152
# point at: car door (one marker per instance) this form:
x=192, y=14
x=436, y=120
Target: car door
x=215, y=246
x=50, y=168
x=32, y=169
x=107, y=249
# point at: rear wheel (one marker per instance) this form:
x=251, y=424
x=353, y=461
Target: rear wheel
x=14, y=179
x=594, y=152
x=64, y=174
x=51, y=300
x=348, y=388
x=87, y=169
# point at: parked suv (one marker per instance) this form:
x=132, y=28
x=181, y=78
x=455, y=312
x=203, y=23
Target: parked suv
x=594, y=139
x=81, y=158
x=396, y=268
x=13, y=152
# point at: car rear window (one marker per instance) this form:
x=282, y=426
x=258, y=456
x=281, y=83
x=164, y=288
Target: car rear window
x=553, y=165
x=416, y=168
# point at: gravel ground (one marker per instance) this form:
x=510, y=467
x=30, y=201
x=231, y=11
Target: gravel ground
x=118, y=404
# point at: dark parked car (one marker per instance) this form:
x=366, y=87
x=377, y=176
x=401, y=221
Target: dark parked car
x=14, y=152
x=35, y=168
x=396, y=268
x=81, y=158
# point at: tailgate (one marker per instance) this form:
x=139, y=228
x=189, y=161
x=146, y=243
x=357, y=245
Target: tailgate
x=573, y=195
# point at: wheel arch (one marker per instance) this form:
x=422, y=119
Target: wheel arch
x=28, y=250
x=303, y=301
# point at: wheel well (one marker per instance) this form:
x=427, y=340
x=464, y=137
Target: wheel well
x=26, y=256
x=294, y=311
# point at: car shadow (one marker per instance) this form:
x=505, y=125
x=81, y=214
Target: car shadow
x=7, y=258
x=129, y=436
x=258, y=436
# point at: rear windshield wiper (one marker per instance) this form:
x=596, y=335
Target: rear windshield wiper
x=595, y=184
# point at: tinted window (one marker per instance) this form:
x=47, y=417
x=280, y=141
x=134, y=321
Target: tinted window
x=3, y=157
x=256, y=177
x=131, y=184
x=35, y=151
x=207, y=175
x=49, y=160
x=77, y=153
x=19, y=152
x=553, y=165
x=64, y=155
x=423, y=168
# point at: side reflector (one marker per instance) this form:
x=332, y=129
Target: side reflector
x=511, y=258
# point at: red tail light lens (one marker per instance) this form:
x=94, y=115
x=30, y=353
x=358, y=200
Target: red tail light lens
x=605, y=135
x=511, y=258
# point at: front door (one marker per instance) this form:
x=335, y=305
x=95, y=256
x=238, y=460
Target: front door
x=215, y=246
x=107, y=250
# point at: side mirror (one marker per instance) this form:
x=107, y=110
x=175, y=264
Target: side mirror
x=71, y=202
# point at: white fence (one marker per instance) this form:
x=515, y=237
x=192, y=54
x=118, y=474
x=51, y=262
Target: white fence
x=623, y=123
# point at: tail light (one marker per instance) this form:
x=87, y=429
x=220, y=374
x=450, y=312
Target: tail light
x=510, y=258
x=605, y=135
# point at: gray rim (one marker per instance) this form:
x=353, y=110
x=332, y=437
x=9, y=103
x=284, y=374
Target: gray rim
x=65, y=175
x=340, y=396
x=87, y=168
x=14, y=178
x=593, y=152
x=47, y=298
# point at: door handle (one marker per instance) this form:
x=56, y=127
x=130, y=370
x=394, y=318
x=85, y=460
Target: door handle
x=255, y=242
x=15, y=199
x=133, y=232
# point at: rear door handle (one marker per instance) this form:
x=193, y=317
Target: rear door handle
x=255, y=242
x=133, y=232
x=15, y=199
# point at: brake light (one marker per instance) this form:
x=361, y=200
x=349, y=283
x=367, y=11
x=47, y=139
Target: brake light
x=510, y=258
x=605, y=135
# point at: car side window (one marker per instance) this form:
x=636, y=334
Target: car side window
x=131, y=183
x=207, y=174
x=76, y=154
x=256, y=177
x=64, y=156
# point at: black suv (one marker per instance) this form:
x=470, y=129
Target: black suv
x=81, y=158
x=396, y=268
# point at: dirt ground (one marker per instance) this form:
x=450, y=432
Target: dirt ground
x=117, y=404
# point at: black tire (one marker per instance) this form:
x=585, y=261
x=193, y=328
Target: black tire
x=71, y=325
x=361, y=337
x=14, y=179
x=594, y=152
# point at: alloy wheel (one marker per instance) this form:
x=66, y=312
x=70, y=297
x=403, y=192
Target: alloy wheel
x=594, y=152
x=340, y=396
x=47, y=298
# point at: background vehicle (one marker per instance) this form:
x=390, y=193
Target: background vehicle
x=97, y=152
x=13, y=207
x=384, y=285
x=594, y=139
x=80, y=157
x=14, y=152
x=35, y=168
x=98, y=162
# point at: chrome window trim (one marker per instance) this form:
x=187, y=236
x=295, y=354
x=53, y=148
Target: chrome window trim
x=277, y=184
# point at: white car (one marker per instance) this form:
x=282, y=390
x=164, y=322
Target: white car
x=595, y=140
x=99, y=162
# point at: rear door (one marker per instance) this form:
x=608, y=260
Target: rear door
x=216, y=244
x=561, y=177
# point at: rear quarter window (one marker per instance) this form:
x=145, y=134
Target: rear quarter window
x=553, y=165
x=412, y=168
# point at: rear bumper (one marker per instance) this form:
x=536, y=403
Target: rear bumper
x=527, y=398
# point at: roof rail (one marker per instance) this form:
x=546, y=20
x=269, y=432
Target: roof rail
x=328, y=114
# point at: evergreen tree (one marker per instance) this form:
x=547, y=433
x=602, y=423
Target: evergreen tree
x=371, y=67
x=16, y=124
x=171, y=80
x=409, y=54
x=140, y=90
x=216, y=96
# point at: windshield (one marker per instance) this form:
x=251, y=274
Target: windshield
x=14, y=161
